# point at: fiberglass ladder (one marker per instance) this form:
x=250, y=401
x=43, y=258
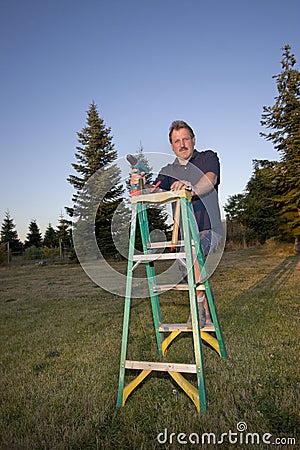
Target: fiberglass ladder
x=191, y=246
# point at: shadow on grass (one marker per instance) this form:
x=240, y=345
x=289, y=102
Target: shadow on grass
x=278, y=277
x=266, y=319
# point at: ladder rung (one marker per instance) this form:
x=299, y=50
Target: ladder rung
x=183, y=327
x=165, y=244
x=155, y=256
x=177, y=287
x=159, y=366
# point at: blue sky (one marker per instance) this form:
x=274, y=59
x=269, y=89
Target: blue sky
x=144, y=63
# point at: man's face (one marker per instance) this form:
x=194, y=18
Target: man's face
x=182, y=143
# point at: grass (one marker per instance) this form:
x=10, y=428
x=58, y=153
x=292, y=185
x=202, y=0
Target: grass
x=60, y=348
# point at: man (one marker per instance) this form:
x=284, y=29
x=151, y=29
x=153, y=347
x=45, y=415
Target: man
x=199, y=171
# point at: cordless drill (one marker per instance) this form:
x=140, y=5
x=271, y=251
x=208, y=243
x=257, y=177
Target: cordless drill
x=140, y=166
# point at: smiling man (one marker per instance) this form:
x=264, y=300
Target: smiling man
x=199, y=171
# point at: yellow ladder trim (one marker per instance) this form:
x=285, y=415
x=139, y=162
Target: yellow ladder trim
x=166, y=342
x=211, y=341
x=188, y=388
x=133, y=384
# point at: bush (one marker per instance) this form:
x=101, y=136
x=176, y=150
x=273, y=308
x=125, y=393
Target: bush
x=239, y=236
x=33, y=252
x=51, y=253
x=3, y=254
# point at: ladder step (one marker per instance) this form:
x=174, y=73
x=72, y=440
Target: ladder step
x=177, y=287
x=159, y=366
x=165, y=244
x=155, y=256
x=183, y=327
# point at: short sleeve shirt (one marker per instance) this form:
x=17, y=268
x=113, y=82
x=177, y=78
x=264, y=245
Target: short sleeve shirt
x=206, y=207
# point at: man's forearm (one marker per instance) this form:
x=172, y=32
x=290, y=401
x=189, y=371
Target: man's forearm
x=205, y=184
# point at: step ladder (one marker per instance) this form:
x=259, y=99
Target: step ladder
x=188, y=248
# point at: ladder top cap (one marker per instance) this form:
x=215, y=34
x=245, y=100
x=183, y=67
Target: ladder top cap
x=162, y=197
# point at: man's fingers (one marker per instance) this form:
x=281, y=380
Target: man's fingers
x=135, y=177
x=177, y=185
x=134, y=172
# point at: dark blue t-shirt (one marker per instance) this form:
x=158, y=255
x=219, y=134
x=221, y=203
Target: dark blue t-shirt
x=206, y=207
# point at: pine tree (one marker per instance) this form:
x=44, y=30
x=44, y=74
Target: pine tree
x=64, y=232
x=283, y=118
x=34, y=236
x=50, y=237
x=255, y=208
x=64, y=236
x=261, y=214
x=235, y=208
x=95, y=154
x=9, y=234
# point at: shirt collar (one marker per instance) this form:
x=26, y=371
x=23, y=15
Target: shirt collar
x=177, y=163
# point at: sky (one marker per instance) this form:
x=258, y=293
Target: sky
x=144, y=64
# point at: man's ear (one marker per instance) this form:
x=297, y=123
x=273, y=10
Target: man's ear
x=194, y=141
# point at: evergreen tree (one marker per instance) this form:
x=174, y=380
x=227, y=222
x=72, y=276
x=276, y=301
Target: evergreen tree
x=64, y=232
x=235, y=208
x=283, y=119
x=95, y=154
x=255, y=208
x=50, y=237
x=237, y=230
x=9, y=234
x=260, y=214
x=34, y=236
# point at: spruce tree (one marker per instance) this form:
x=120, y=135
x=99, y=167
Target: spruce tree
x=50, y=237
x=261, y=215
x=63, y=233
x=283, y=119
x=9, y=234
x=255, y=208
x=34, y=236
x=94, y=155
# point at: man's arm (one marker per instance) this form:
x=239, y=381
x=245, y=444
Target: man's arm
x=205, y=185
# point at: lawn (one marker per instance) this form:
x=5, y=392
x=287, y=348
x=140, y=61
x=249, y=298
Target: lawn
x=60, y=348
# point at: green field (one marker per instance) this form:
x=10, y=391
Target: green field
x=60, y=350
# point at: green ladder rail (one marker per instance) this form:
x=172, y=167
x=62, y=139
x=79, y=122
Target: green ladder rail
x=192, y=249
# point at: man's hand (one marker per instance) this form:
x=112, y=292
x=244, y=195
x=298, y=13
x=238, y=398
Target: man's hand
x=135, y=177
x=181, y=184
x=202, y=187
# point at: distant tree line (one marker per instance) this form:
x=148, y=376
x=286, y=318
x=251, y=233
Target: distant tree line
x=270, y=205
x=56, y=241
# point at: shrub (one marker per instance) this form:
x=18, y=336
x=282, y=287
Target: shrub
x=33, y=252
x=3, y=254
